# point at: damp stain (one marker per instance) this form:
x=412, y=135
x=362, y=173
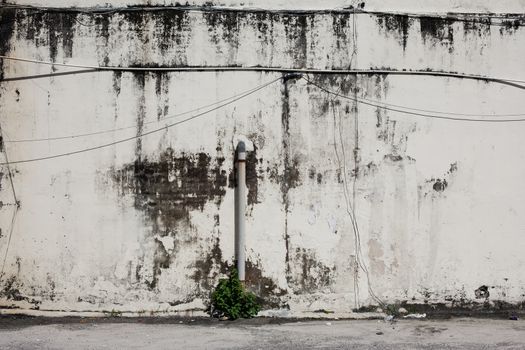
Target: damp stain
x=227, y=22
x=308, y=275
x=161, y=260
x=167, y=189
x=7, y=30
x=436, y=30
x=511, y=26
x=295, y=28
x=11, y=292
x=397, y=25
x=290, y=177
x=480, y=27
x=269, y=295
x=139, y=78
x=172, y=30
x=162, y=83
x=208, y=270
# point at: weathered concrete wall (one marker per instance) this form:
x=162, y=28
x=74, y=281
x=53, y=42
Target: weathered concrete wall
x=147, y=225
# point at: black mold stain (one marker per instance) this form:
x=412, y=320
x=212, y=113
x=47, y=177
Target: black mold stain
x=482, y=292
x=117, y=82
x=399, y=25
x=510, y=26
x=339, y=25
x=437, y=30
x=162, y=81
x=440, y=185
x=102, y=24
x=311, y=173
x=295, y=28
x=11, y=291
x=61, y=29
x=227, y=21
x=17, y=95
x=334, y=82
x=459, y=308
x=393, y=157
x=319, y=178
x=171, y=29
x=167, y=189
x=261, y=20
x=285, y=127
x=7, y=29
x=308, y=274
x=480, y=26
x=208, y=268
x=264, y=288
x=161, y=260
x=140, y=81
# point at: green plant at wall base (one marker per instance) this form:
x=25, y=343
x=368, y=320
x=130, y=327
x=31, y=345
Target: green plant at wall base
x=230, y=299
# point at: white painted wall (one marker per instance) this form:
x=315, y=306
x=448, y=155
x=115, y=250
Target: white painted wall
x=437, y=6
x=80, y=242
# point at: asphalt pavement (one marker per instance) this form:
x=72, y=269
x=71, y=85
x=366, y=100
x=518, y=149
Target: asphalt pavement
x=259, y=333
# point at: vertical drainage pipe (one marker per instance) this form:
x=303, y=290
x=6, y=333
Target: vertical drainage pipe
x=240, y=210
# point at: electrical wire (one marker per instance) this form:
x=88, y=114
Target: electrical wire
x=510, y=82
x=100, y=132
x=358, y=100
x=142, y=134
x=48, y=75
x=15, y=199
x=441, y=112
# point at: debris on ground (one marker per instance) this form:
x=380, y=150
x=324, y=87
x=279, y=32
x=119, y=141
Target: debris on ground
x=415, y=316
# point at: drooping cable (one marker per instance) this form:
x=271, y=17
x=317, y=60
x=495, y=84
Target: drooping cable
x=144, y=133
x=505, y=81
x=100, y=132
x=408, y=112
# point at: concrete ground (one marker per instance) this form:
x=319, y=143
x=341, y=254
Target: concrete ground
x=155, y=333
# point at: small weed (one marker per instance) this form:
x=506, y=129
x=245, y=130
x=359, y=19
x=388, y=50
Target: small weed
x=231, y=300
x=392, y=310
x=113, y=313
